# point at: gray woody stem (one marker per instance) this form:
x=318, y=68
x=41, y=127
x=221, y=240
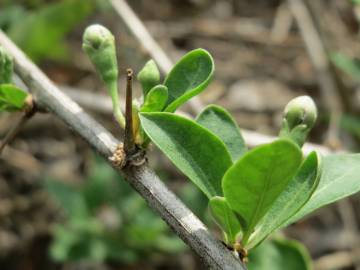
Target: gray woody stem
x=184, y=223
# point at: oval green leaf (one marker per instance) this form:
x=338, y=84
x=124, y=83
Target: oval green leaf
x=220, y=122
x=254, y=182
x=290, y=201
x=198, y=153
x=225, y=218
x=156, y=99
x=340, y=178
x=12, y=98
x=190, y=75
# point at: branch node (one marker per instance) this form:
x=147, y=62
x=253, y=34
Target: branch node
x=118, y=159
x=28, y=111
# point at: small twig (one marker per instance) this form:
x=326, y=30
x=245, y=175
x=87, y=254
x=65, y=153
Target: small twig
x=129, y=145
x=28, y=112
x=282, y=24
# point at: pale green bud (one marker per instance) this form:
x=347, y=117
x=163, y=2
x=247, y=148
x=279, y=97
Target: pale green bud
x=300, y=115
x=99, y=44
x=301, y=110
x=6, y=67
x=149, y=76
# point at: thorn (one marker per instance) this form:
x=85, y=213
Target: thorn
x=129, y=145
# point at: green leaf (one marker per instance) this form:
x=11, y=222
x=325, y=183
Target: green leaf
x=225, y=218
x=11, y=98
x=254, y=182
x=198, y=153
x=149, y=76
x=280, y=254
x=189, y=77
x=290, y=201
x=219, y=121
x=340, y=178
x=156, y=99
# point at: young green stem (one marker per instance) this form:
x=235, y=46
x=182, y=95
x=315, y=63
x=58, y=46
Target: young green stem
x=119, y=117
x=246, y=237
x=129, y=145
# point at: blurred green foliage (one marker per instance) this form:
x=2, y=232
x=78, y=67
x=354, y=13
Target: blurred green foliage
x=107, y=220
x=280, y=254
x=350, y=66
x=39, y=28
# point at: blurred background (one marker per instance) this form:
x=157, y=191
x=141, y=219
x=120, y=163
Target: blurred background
x=62, y=207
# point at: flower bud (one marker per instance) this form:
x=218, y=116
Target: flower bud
x=301, y=110
x=6, y=67
x=149, y=76
x=99, y=44
x=299, y=117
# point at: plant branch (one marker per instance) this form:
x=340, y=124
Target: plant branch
x=183, y=222
x=28, y=112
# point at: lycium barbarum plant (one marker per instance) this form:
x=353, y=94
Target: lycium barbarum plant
x=251, y=193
